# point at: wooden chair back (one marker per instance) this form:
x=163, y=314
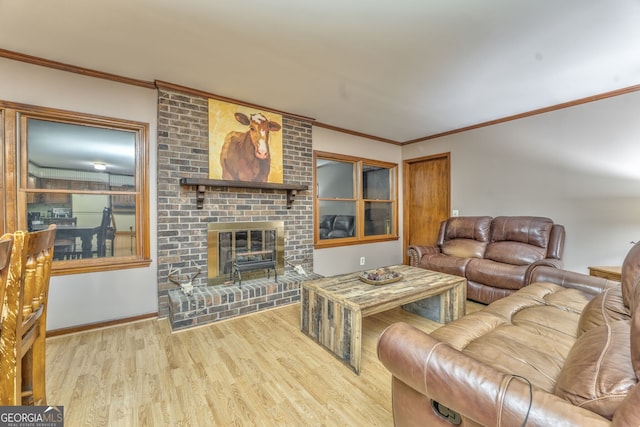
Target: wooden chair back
x=6, y=243
x=24, y=316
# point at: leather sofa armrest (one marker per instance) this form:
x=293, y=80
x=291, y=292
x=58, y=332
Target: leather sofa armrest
x=570, y=279
x=416, y=252
x=556, y=242
x=547, y=262
x=473, y=389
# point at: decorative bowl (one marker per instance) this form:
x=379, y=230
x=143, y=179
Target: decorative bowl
x=380, y=276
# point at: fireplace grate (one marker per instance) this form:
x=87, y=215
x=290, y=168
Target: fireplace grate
x=254, y=261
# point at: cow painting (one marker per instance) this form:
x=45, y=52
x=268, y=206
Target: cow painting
x=245, y=155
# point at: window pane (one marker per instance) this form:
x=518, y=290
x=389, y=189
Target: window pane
x=68, y=156
x=63, y=161
x=335, y=179
x=378, y=218
x=337, y=219
x=86, y=224
x=376, y=183
x=355, y=200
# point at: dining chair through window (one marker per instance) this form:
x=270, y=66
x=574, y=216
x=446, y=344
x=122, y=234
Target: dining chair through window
x=105, y=234
x=66, y=245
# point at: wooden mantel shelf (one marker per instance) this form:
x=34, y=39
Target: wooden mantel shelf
x=202, y=183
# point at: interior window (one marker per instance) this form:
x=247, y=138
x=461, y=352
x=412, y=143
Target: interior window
x=355, y=200
x=337, y=193
x=88, y=176
x=378, y=203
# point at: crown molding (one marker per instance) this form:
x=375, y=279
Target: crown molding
x=158, y=84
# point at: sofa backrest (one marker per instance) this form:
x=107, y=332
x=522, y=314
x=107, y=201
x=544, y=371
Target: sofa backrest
x=343, y=226
x=602, y=369
x=630, y=277
x=326, y=222
x=465, y=236
x=521, y=240
x=630, y=282
x=627, y=413
x=516, y=240
x=556, y=242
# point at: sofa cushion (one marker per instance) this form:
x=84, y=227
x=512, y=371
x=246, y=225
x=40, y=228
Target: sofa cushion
x=514, y=253
x=444, y=264
x=597, y=374
x=486, y=294
x=468, y=227
x=604, y=308
x=464, y=248
x=496, y=274
x=519, y=240
x=525, y=229
x=529, y=333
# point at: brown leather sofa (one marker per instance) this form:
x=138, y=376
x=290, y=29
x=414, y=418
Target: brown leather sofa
x=496, y=255
x=337, y=226
x=563, y=351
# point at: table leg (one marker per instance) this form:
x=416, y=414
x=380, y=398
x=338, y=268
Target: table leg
x=86, y=245
x=338, y=328
x=444, y=307
x=456, y=300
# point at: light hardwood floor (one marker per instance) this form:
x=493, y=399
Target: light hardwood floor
x=258, y=370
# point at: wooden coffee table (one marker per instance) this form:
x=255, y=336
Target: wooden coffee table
x=332, y=308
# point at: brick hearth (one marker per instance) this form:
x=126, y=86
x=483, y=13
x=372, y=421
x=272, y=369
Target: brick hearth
x=214, y=303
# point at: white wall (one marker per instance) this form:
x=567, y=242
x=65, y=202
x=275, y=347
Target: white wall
x=579, y=166
x=95, y=297
x=346, y=259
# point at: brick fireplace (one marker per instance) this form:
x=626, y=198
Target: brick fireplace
x=183, y=228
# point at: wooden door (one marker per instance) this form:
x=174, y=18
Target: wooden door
x=427, y=199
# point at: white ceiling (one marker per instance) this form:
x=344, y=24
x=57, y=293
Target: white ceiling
x=394, y=69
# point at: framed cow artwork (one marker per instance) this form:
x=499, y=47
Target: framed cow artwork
x=245, y=144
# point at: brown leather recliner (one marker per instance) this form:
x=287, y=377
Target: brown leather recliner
x=564, y=350
x=496, y=255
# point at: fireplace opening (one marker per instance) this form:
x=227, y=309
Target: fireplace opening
x=240, y=246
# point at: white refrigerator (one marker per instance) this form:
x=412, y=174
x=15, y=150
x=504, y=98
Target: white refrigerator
x=88, y=208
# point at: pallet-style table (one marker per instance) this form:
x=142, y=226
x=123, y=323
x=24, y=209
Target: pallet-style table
x=332, y=308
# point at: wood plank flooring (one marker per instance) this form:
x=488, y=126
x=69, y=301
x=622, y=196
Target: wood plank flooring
x=258, y=370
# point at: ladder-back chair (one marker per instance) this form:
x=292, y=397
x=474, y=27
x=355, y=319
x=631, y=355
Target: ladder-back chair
x=105, y=234
x=6, y=243
x=24, y=317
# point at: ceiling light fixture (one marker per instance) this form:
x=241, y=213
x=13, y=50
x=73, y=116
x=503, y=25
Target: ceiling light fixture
x=99, y=166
